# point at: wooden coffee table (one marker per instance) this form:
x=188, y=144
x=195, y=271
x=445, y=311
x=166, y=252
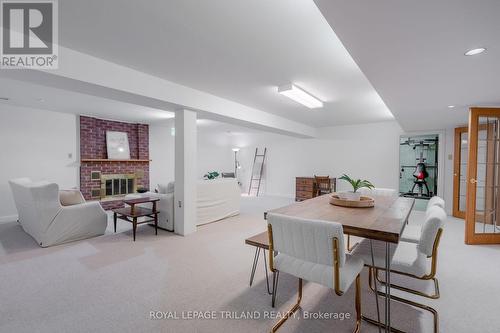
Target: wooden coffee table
x=132, y=213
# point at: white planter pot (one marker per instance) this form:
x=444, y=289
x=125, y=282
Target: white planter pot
x=352, y=196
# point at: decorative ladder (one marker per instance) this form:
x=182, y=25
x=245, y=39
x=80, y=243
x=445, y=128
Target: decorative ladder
x=258, y=158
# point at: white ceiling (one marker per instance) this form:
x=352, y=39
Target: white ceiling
x=235, y=49
x=412, y=53
x=43, y=97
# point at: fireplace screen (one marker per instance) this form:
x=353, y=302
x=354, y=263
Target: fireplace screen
x=118, y=185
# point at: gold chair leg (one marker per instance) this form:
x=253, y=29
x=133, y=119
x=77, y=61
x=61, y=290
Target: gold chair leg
x=358, y=304
x=401, y=300
x=436, y=294
x=291, y=311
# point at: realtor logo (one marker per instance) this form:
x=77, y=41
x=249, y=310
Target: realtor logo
x=29, y=34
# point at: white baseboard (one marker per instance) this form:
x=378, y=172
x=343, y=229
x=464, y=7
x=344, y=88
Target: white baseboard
x=7, y=219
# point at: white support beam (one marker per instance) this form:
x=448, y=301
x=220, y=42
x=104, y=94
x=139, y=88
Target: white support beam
x=185, y=191
x=87, y=74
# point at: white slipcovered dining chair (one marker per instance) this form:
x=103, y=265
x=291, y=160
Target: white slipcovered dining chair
x=436, y=201
x=408, y=259
x=314, y=251
x=412, y=232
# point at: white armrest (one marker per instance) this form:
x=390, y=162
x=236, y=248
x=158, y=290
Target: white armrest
x=77, y=222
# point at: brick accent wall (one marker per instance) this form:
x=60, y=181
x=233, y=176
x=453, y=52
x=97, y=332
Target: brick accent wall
x=93, y=146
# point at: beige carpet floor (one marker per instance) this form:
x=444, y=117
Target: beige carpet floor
x=111, y=284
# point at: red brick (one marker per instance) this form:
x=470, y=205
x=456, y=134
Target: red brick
x=93, y=146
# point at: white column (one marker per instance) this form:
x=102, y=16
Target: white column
x=185, y=172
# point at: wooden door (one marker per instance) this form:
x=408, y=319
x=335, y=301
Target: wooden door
x=483, y=177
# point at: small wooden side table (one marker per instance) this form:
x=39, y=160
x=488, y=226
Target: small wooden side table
x=132, y=213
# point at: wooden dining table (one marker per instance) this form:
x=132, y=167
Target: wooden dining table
x=384, y=222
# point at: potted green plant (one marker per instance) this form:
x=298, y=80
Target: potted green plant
x=356, y=184
x=211, y=175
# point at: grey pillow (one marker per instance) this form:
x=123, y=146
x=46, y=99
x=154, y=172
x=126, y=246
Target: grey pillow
x=70, y=197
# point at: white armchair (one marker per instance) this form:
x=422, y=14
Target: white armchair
x=43, y=217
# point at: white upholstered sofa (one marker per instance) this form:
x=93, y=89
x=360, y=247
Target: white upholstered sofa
x=43, y=217
x=216, y=200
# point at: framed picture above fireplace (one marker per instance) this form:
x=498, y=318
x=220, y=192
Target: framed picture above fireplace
x=117, y=145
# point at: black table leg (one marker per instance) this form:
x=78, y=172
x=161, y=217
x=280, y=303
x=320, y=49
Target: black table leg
x=134, y=223
x=254, y=265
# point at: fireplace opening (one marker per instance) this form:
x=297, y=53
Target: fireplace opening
x=118, y=185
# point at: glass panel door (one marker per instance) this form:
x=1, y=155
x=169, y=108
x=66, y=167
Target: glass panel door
x=483, y=177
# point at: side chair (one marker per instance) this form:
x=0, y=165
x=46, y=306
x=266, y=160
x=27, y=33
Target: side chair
x=314, y=251
x=409, y=259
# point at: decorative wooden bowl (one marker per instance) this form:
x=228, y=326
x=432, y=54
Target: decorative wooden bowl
x=364, y=202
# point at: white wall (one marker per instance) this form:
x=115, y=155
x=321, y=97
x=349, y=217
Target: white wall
x=36, y=143
x=162, y=154
x=214, y=152
x=368, y=151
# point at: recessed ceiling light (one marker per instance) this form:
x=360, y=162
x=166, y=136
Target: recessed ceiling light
x=300, y=96
x=4, y=98
x=451, y=106
x=472, y=52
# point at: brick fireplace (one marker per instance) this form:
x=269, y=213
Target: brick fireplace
x=109, y=180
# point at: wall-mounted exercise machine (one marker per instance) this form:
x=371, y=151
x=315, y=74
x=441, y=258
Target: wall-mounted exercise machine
x=421, y=150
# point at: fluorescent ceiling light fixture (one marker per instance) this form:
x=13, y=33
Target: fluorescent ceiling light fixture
x=475, y=51
x=300, y=96
x=451, y=106
x=236, y=149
